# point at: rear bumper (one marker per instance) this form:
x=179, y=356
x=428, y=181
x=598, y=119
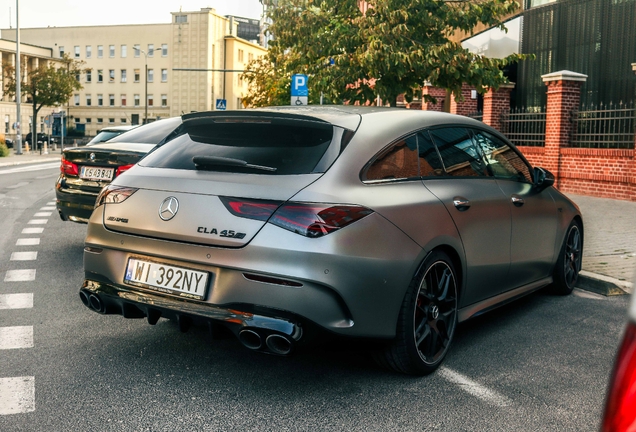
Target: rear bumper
x=74, y=204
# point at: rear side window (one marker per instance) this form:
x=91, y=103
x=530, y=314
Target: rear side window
x=258, y=146
x=399, y=161
x=461, y=157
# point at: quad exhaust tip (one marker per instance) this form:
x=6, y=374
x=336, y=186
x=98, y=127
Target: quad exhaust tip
x=278, y=344
x=250, y=339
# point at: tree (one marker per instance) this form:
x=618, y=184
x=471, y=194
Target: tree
x=392, y=49
x=46, y=85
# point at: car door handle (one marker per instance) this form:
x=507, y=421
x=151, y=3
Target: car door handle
x=461, y=203
x=517, y=200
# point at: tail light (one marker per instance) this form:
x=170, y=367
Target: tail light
x=250, y=209
x=69, y=168
x=620, y=408
x=123, y=169
x=114, y=195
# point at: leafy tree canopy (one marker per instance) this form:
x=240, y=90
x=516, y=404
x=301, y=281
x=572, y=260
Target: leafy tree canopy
x=392, y=49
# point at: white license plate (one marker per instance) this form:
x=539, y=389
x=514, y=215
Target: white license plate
x=96, y=173
x=166, y=278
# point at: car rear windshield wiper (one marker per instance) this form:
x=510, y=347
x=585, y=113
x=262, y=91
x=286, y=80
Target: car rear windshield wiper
x=203, y=162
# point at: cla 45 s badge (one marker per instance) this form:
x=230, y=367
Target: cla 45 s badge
x=223, y=233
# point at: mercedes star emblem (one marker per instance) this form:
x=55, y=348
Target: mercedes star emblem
x=168, y=208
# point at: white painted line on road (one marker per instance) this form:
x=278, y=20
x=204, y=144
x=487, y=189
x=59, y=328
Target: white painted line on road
x=16, y=337
x=28, y=242
x=16, y=301
x=38, y=167
x=474, y=388
x=50, y=203
x=32, y=230
x=24, y=256
x=42, y=214
x=17, y=395
x=37, y=221
x=588, y=295
x=17, y=185
x=47, y=208
x=24, y=275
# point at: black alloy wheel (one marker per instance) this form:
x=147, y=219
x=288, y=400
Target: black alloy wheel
x=568, y=266
x=427, y=320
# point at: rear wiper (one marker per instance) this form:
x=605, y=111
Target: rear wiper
x=203, y=162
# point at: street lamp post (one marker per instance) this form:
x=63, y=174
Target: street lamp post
x=18, y=80
x=146, y=81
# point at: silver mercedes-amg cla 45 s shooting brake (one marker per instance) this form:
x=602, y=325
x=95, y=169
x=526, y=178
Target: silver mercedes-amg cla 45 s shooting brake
x=385, y=224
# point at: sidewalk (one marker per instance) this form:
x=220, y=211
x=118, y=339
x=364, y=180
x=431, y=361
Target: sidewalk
x=29, y=157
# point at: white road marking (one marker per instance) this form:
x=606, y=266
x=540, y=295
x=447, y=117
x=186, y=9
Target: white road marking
x=32, y=230
x=16, y=301
x=17, y=185
x=38, y=167
x=28, y=242
x=24, y=256
x=50, y=203
x=17, y=395
x=37, y=221
x=47, y=208
x=42, y=214
x=588, y=295
x=20, y=275
x=16, y=337
x=474, y=388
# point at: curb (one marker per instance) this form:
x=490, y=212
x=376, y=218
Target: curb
x=40, y=159
x=601, y=284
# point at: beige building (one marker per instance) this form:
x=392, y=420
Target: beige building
x=191, y=63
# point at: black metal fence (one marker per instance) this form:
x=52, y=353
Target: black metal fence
x=604, y=126
x=524, y=126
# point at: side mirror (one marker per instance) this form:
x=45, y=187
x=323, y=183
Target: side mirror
x=542, y=178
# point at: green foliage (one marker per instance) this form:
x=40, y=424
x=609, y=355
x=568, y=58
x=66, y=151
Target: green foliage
x=4, y=150
x=393, y=49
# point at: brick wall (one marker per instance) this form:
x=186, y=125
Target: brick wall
x=496, y=102
x=437, y=93
x=467, y=105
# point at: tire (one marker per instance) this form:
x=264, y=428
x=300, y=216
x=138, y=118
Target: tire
x=427, y=320
x=568, y=265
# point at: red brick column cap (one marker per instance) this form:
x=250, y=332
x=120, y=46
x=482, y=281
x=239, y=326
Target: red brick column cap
x=564, y=75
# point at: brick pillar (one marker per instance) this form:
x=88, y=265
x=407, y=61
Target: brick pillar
x=466, y=106
x=437, y=93
x=496, y=102
x=564, y=96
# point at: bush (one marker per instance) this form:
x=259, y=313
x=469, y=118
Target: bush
x=4, y=151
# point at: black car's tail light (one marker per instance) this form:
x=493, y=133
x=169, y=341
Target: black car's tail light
x=114, y=195
x=317, y=220
x=620, y=408
x=250, y=208
x=69, y=168
x=123, y=169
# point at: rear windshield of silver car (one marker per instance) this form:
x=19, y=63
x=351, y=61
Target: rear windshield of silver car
x=257, y=146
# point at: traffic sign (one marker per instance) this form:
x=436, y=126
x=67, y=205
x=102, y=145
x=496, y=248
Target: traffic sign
x=221, y=104
x=299, y=85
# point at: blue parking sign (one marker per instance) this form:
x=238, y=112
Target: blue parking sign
x=299, y=85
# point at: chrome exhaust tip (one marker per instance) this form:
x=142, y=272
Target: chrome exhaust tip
x=250, y=339
x=96, y=303
x=278, y=344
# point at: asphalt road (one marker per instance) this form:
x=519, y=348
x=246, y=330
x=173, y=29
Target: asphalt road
x=540, y=364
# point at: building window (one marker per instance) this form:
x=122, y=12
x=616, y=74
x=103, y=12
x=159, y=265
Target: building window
x=250, y=57
x=111, y=100
x=111, y=75
x=100, y=51
x=77, y=99
x=123, y=121
x=151, y=50
x=88, y=100
x=77, y=120
x=137, y=49
x=89, y=120
x=123, y=100
x=77, y=77
x=151, y=100
x=111, y=51
x=240, y=55
x=137, y=73
x=180, y=19
x=164, y=100
x=123, y=75
x=164, y=75
x=100, y=100
x=100, y=75
x=89, y=76
x=136, y=98
x=151, y=75
x=124, y=51
x=164, y=50
x=7, y=120
x=77, y=51
x=100, y=120
x=111, y=120
x=61, y=51
x=89, y=51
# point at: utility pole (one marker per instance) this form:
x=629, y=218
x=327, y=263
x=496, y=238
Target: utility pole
x=18, y=79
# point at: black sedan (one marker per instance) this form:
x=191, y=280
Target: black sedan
x=86, y=170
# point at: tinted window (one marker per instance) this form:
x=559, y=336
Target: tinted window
x=399, y=161
x=291, y=147
x=503, y=162
x=430, y=163
x=458, y=151
x=151, y=133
